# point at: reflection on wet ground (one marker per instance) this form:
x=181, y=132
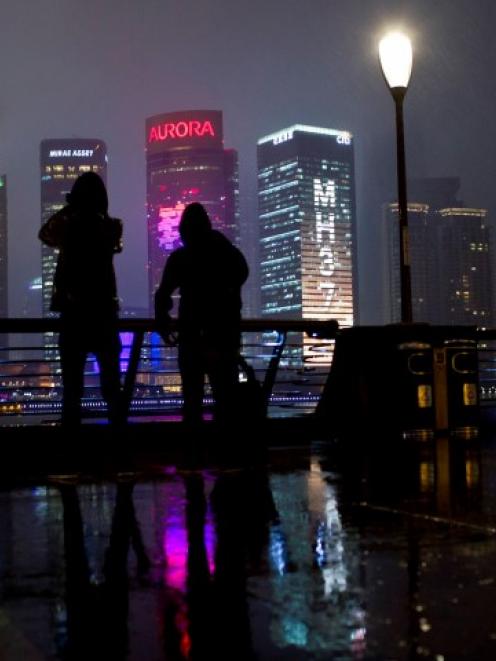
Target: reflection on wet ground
x=313, y=555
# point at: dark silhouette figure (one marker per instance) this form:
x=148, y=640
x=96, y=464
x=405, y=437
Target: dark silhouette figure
x=209, y=271
x=97, y=614
x=85, y=293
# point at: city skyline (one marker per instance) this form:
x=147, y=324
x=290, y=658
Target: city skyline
x=265, y=67
x=157, y=133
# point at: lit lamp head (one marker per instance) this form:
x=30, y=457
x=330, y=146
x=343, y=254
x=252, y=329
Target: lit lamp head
x=395, y=54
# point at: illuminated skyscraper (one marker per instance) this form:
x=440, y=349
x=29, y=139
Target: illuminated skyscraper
x=450, y=256
x=306, y=192
x=186, y=162
x=465, y=265
x=62, y=161
x=4, y=295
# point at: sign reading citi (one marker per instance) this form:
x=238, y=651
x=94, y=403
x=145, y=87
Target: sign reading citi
x=192, y=128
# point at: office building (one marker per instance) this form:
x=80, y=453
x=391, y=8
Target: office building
x=306, y=191
x=423, y=263
x=186, y=162
x=450, y=257
x=4, y=281
x=465, y=266
x=61, y=162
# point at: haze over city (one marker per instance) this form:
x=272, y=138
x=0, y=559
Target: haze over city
x=93, y=69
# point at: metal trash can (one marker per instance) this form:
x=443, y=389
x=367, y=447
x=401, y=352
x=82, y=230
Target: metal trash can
x=457, y=386
x=413, y=379
x=384, y=376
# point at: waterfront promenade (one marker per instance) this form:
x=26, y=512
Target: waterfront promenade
x=327, y=535
x=320, y=548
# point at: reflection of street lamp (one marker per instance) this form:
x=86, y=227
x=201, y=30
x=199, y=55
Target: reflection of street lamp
x=395, y=53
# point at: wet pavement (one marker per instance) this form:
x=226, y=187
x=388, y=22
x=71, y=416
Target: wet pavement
x=312, y=553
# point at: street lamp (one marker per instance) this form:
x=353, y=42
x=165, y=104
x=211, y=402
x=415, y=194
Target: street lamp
x=395, y=53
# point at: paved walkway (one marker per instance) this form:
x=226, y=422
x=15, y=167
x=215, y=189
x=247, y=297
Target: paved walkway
x=362, y=550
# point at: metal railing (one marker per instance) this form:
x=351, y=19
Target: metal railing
x=291, y=360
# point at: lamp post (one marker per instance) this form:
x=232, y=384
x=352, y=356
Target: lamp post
x=395, y=53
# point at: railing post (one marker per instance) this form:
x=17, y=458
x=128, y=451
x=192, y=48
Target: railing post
x=270, y=374
x=132, y=369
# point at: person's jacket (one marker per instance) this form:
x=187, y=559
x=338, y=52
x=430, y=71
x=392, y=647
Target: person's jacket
x=209, y=276
x=84, y=279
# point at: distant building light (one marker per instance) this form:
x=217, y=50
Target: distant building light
x=342, y=137
x=463, y=211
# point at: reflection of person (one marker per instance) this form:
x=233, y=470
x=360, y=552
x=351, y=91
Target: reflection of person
x=209, y=271
x=217, y=605
x=85, y=292
x=97, y=614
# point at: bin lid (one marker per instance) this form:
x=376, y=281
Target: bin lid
x=414, y=345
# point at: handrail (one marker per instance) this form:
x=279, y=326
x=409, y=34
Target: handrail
x=138, y=327
x=324, y=329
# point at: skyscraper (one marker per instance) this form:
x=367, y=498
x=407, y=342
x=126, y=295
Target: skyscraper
x=4, y=294
x=306, y=191
x=62, y=161
x=465, y=266
x=450, y=256
x=423, y=263
x=186, y=162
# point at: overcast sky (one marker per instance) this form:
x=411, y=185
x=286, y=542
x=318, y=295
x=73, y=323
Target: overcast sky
x=98, y=68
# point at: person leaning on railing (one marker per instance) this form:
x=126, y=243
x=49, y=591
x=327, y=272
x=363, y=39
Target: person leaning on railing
x=85, y=293
x=209, y=271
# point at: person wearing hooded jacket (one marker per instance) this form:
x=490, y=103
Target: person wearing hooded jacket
x=208, y=270
x=85, y=293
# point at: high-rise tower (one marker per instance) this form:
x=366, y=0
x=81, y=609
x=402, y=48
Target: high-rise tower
x=306, y=190
x=4, y=295
x=186, y=162
x=62, y=161
x=450, y=256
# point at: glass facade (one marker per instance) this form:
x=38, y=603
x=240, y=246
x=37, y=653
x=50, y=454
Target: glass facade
x=4, y=295
x=306, y=192
x=450, y=259
x=424, y=266
x=62, y=162
x=465, y=262
x=186, y=162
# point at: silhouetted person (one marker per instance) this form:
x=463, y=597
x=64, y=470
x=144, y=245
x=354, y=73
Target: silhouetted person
x=85, y=293
x=209, y=271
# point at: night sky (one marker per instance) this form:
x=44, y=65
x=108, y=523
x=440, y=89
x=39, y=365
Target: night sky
x=98, y=68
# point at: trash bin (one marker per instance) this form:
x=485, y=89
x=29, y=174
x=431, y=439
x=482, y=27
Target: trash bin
x=413, y=379
x=457, y=386
x=381, y=378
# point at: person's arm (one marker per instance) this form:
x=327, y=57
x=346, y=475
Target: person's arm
x=170, y=282
x=163, y=296
x=52, y=232
x=117, y=235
